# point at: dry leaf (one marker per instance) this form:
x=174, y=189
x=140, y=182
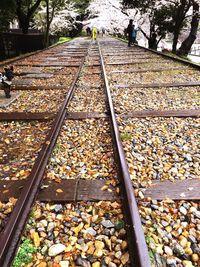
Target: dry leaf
x=59, y=190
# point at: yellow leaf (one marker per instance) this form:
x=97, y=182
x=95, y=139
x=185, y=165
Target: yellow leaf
x=7, y=141
x=78, y=228
x=36, y=239
x=59, y=190
x=105, y=187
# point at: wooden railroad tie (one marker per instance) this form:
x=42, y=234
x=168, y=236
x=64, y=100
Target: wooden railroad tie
x=158, y=85
x=179, y=190
x=65, y=191
x=13, y=116
x=39, y=87
x=42, y=116
x=150, y=70
x=89, y=190
x=163, y=113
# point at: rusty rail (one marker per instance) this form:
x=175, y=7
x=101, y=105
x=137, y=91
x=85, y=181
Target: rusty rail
x=138, y=248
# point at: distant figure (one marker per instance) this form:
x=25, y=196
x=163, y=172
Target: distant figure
x=103, y=31
x=132, y=33
x=6, y=80
x=94, y=33
x=88, y=31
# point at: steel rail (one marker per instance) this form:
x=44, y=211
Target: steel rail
x=10, y=236
x=137, y=245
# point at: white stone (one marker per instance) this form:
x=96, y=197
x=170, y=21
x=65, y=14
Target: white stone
x=183, y=210
x=168, y=250
x=56, y=249
x=64, y=263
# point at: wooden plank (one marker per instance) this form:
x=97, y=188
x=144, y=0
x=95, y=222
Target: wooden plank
x=10, y=189
x=127, y=52
x=158, y=85
x=135, y=62
x=93, y=65
x=162, y=113
x=85, y=115
x=65, y=191
x=12, y=116
x=179, y=190
x=89, y=190
x=40, y=87
x=47, y=65
x=149, y=70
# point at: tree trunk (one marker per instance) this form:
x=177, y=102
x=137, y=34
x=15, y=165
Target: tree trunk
x=152, y=39
x=24, y=18
x=24, y=24
x=47, y=24
x=188, y=42
x=175, y=40
x=179, y=18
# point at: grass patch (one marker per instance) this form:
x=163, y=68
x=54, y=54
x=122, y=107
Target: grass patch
x=25, y=254
x=126, y=136
x=63, y=40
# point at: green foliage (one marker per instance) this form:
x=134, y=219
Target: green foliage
x=151, y=256
x=81, y=6
x=25, y=254
x=119, y=225
x=126, y=137
x=7, y=13
x=64, y=39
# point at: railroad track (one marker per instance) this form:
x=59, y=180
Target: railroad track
x=81, y=165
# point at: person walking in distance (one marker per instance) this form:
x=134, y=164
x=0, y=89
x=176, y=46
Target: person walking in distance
x=94, y=33
x=132, y=33
x=129, y=31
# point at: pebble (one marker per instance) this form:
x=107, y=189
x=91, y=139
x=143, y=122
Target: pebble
x=50, y=227
x=171, y=262
x=168, y=250
x=64, y=263
x=183, y=210
x=192, y=239
x=56, y=249
x=195, y=257
x=187, y=264
x=107, y=224
x=112, y=264
x=91, y=231
x=96, y=264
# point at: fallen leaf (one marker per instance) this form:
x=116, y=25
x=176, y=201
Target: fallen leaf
x=105, y=187
x=59, y=190
x=190, y=188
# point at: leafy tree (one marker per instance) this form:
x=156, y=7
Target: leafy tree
x=179, y=11
x=25, y=10
x=158, y=16
x=7, y=13
x=81, y=6
x=188, y=42
x=52, y=6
